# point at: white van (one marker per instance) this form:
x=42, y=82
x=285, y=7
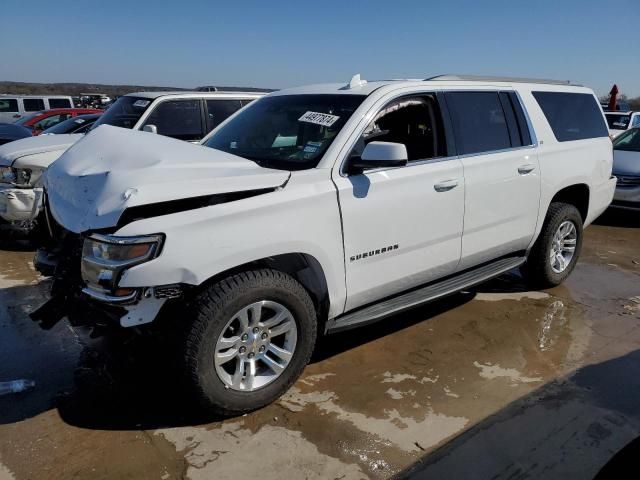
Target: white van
x=13, y=107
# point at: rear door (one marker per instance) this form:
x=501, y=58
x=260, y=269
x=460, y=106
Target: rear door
x=402, y=226
x=501, y=171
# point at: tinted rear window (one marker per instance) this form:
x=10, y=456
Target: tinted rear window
x=59, y=103
x=33, y=104
x=572, y=116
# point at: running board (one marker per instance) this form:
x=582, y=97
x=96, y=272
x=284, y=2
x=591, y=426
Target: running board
x=433, y=291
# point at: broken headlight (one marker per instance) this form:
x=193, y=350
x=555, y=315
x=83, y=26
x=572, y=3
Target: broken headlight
x=15, y=176
x=105, y=257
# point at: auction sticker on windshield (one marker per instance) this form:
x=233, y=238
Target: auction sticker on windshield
x=318, y=118
x=141, y=103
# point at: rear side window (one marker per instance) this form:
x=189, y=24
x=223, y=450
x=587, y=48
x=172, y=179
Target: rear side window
x=181, y=119
x=479, y=122
x=59, y=103
x=220, y=110
x=572, y=116
x=8, y=105
x=33, y=104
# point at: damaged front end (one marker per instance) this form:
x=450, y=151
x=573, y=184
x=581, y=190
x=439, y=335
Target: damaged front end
x=86, y=268
x=90, y=199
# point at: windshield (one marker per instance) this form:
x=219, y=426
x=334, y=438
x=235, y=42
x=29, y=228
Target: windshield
x=617, y=121
x=125, y=112
x=286, y=132
x=629, y=141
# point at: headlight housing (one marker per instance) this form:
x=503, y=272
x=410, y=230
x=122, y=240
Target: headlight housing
x=15, y=176
x=106, y=257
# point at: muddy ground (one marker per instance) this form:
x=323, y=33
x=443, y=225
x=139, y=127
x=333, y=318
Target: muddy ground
x=500, y=382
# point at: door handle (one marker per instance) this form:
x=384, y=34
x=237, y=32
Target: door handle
x=528, y=168
x=16, y=116
x=446, y=185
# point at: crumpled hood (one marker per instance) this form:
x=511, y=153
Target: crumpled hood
x=112, y=169
x=35, y=145
x=626, y=163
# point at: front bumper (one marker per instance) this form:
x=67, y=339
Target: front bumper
x=85, y=306
x=20, y=204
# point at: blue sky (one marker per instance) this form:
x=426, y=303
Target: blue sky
x=285, y=43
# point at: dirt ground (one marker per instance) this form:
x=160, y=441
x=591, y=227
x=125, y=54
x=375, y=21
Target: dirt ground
x=500, y=382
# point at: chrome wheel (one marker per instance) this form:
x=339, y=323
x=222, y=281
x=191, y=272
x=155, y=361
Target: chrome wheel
x=255, y=346
x=563, y=246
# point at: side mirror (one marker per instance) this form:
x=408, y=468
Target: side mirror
x=150, y=128
x=380, y=155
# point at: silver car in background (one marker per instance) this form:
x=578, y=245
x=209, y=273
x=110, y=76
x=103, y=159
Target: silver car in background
x=626, y=166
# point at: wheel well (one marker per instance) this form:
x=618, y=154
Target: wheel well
x=576, y=195
x=301, y=266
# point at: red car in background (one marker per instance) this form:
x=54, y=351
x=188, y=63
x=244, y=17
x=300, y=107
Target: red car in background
x=40, y=121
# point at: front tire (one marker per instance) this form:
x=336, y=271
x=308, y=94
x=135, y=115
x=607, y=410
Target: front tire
x=252, y=335
x=555, y=253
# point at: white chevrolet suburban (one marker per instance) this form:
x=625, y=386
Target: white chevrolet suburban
x=183, y=115
x=317, y=210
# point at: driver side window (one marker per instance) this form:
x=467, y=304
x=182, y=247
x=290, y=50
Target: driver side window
x=414, y=121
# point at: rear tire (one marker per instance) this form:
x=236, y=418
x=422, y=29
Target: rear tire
x=231, y=374
x=555, y=253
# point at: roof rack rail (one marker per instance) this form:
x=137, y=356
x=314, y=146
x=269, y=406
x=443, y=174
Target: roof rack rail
x=481, y=78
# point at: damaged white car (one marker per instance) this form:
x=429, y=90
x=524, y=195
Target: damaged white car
x=317, y=210
x=183, y=115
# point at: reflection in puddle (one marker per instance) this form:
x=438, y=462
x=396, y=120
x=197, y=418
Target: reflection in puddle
x=553, y=321
x=491, y=372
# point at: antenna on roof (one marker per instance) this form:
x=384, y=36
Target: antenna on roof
x=355, y=82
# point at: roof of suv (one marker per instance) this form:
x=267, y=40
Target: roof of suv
x=356, y=86
x=154, y=95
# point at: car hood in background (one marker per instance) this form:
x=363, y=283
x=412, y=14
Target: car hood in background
x=113, y=169
x=35, y=145
x=626, y=163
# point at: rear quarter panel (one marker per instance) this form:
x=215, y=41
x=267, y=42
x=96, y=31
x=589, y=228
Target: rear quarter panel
x=563, y=164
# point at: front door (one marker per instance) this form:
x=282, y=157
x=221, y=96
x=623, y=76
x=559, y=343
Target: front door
x=402, y=226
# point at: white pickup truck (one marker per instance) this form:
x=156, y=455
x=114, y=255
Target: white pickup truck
x=317, y=210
